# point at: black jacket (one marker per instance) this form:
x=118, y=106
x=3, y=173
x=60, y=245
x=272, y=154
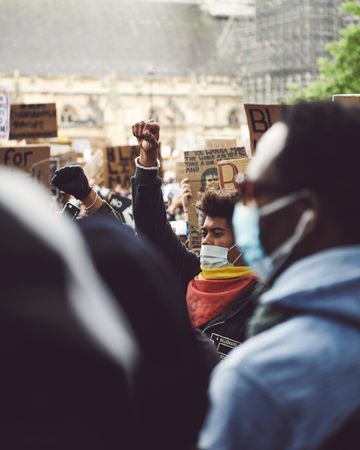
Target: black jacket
x=170, y=386
x=229, y=328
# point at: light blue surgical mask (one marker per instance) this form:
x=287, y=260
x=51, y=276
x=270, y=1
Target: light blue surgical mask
x=214, y=256
x=246, y=227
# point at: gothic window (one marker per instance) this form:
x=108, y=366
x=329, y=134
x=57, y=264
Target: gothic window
x=234, y=118
x=68, y=115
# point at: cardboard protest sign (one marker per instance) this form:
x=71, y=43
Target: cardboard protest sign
x=123, y=206
x=201, y=170
x=260, y=118
x=120, y=165
x=32, y=159
x=4, y=113
x=212, y=142
x=348, y=99
x=33, y=121
x=228, y=171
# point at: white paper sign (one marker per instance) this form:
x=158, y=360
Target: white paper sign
x=4, y=112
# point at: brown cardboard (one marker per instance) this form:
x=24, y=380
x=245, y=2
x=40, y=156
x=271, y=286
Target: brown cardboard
x=228, y=172
x=179, y=171
x=347, y=99
x=260, y=118
x=33, y=121
x=120, y=162
x=33, y=159
x=201, y=170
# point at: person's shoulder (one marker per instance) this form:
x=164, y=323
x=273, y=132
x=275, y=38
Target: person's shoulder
x=301, y=339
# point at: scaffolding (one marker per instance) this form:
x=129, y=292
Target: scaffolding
x=280, y=45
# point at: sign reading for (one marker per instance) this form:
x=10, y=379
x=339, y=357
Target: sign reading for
x=201, y=170
x=120, y=165
x=260, y=118
x=33, y=121
x=228, y=172
x=32, y=159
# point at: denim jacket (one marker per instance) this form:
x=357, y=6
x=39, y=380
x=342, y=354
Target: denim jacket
x=294, y=385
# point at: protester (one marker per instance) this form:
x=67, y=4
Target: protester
x=171, y=381
x=67, y=352
x=295, y=385
x=72, y=180
x=221, y=291
x=170, y=386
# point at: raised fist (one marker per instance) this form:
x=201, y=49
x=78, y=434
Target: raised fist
x=72, y=180
x=147, y=134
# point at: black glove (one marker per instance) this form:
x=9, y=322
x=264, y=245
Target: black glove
x=72, y=180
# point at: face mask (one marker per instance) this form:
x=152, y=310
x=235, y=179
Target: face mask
x=247, y=234
x=214, y=256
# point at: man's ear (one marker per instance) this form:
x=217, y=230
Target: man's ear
x=312, y=211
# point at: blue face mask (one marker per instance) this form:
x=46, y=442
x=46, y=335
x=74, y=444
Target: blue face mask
x=246, y=227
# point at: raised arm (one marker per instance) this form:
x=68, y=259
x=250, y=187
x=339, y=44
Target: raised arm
x=148, y=205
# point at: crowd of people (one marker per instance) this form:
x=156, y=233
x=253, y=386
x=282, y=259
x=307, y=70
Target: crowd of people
x=122, y=338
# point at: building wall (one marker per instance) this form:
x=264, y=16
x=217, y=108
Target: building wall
x=103, y=110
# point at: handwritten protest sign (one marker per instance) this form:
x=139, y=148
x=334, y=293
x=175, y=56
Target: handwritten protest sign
x=120, y=165
x=348, y=99
x=4, y=113
x=123, y=206
x=32, y=159
x=33, y=121
x=201, y=170
x=228, y=172
x=260, y=118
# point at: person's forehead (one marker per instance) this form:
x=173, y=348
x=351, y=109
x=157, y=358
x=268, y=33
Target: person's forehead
x=269, y=147
x=215, y=222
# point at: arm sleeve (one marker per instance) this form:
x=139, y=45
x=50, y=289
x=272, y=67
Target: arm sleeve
x=107, y=211
x=242, y=416
x=151, y=221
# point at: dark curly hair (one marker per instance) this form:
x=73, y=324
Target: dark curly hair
x=218, y=204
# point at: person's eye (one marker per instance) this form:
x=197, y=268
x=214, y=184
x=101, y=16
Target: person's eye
x=203, y=234
x=218, y=234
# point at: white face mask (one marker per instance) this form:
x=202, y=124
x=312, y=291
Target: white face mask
x=214, y=256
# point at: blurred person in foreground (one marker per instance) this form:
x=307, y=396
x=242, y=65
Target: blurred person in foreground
x=296, y=383
x=67, y=352
x=220, y=290
x=171, y=379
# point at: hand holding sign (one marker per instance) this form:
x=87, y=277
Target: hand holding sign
x=72, y=180
x=147, y=134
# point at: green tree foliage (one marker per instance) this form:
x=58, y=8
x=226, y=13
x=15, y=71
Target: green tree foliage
x=339, y=74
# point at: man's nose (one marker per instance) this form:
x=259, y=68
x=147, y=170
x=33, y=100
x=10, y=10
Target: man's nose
x=207, y=240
